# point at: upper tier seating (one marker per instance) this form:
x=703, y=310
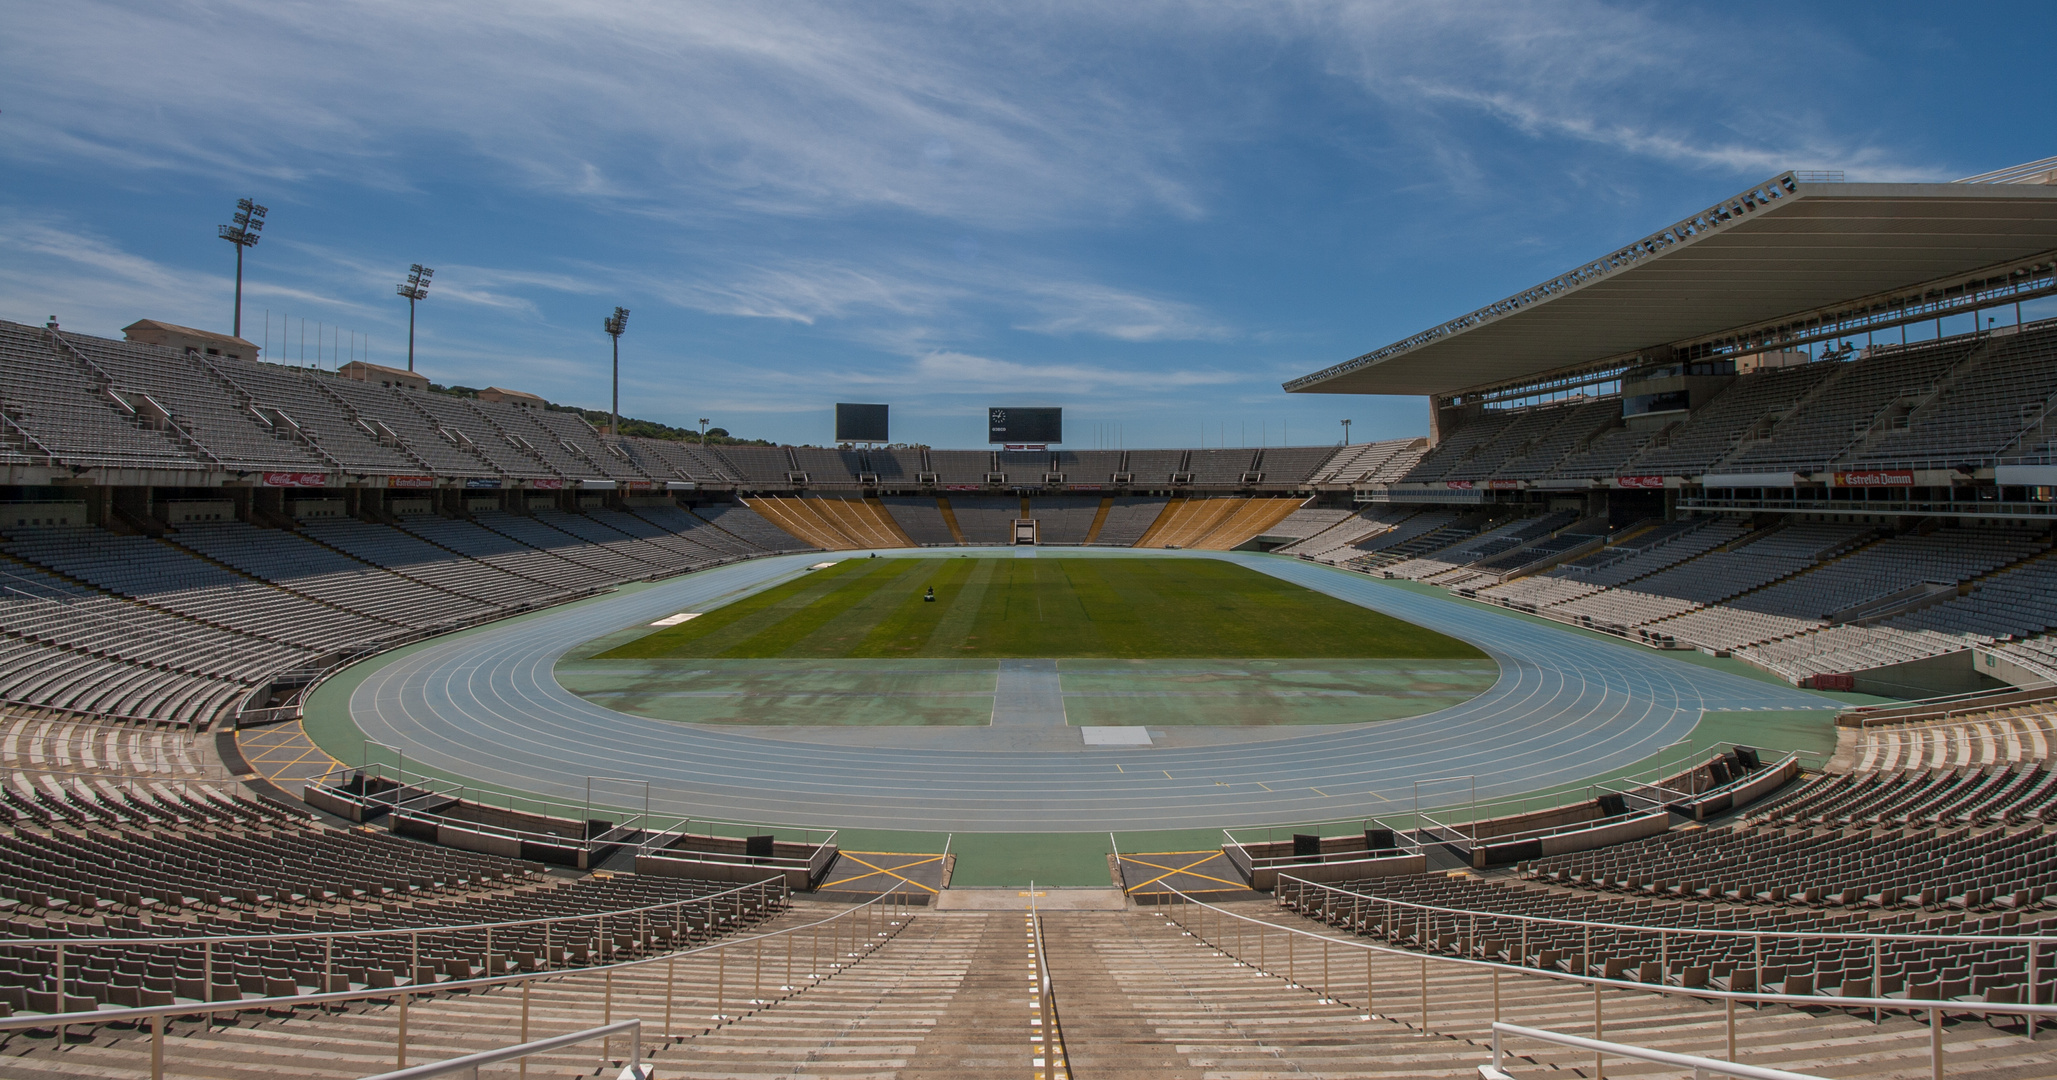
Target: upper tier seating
x=2006, y=385
x=1154, y=467
x=829, y=466
x=48, y=396
x=1840, y=414
x=1088, y=466
x=1712, y=430
x=1292, y=464
x=960, y=466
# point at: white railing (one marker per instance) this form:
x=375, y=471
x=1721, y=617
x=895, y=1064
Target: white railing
x=1701, y=1066
x=867, y=925
x=1249, y=941
x=471, y=1063
x=1054, y=1061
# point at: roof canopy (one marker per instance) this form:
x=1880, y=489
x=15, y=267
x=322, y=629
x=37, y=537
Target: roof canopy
x=1784, y=247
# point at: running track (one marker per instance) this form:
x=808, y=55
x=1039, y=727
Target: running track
x=1567, y=706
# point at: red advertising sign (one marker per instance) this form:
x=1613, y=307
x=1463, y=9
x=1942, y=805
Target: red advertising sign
x=961, y=487
x=641, y=485
x=1505, y=485
x=1459, y=485
x=1639, y=481
x=296, y=479
x=1087, y=487
x=547, y=484
x=410, y=481
x=1876, y=478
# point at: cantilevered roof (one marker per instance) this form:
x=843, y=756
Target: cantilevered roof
x=1783, y=247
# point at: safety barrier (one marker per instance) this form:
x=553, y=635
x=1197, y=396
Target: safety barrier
x=866, y=925
x=1248, y=940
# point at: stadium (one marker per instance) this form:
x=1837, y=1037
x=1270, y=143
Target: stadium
x=1682, y=703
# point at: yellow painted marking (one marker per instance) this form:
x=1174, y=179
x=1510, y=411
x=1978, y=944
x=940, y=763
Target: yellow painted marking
x=877, y=870
x=1378, y=796
x=1263, y=785
x=1319, y=792
x=1167, y=774
x=1118, y=768
x=1187, y=869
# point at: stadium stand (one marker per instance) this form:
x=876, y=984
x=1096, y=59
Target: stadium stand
x=750, y=527
x=897, y=466
x=986, y=519
x=1155, y=468
x=1088, y=466
x=1063, y=519
x=1129, y=517
x=920, y=518
x=961, y=466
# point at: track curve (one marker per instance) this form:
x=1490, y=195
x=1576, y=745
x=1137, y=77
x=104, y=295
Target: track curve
x=483, y=705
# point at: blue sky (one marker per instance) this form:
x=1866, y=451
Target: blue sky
x=1150, y=214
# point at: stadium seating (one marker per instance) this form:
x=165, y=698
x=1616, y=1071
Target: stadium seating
x=920, y=517
x=1129, y=517
x=1063, y=519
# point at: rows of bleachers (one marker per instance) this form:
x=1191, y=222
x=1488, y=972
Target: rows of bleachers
x=1543, y=928
x=921, y=518
x=187, y=627
x=1128, y=518
x=986, y=519
x=151, y=865
x=73, y=746
x=1859, y=395
x=2006, y=735
x=1359, y=525
x=1063, y=519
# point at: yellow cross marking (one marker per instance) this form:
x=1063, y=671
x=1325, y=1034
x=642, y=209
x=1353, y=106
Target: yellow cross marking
x=877, y=870
x=1172, y=871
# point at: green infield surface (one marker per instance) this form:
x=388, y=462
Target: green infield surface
x=1051, y=608
x=1112, y=643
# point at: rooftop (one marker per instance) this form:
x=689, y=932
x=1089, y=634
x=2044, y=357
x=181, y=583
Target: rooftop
x=1786, y=246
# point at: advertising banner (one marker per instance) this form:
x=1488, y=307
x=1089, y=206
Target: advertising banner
x=1504, y=485
x=482, y=482
x=548, y=484
x=411, y=482
x=1876, y=478
x=1459, y=485
x=296, y=479
x=1639, y=482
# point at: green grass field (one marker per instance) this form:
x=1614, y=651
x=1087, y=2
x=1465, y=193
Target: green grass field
x=999, y=608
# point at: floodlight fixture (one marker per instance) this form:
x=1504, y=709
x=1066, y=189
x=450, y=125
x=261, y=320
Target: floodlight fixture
x=415, y=288
x=242, y=232
x=703, y=431
x=1346, y=433
x=615, y=325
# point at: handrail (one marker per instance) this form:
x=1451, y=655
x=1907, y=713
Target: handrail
x=1054, y=1056
x=1810, y=935
x=1701, y=1066
x=1740, y=997
x=20, y=1021
x=471, y=1062
x=302, y=935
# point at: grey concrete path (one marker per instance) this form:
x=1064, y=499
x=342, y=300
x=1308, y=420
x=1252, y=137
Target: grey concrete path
x=1028, y=693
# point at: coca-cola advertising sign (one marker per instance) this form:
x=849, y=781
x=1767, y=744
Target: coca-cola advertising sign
x=1505, y=485
x=296, y=479
x=1459, y=485
x=547, y=484
x=1876, y=478
x=1639, y=481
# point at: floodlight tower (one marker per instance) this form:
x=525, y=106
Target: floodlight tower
x=415, y=288
x=248, y=222
x=615, y=324
x=703, y=431
x=1346, y=433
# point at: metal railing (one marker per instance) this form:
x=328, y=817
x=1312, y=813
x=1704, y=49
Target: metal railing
x=1702, y=1066
x=866, y=924
x=1053, y=1059
x=1232, y=934
x=634, y=1070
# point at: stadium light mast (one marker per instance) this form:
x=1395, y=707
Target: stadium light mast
x=703, y=431
x=248, y=222
x=615, y=324
x=1346, y=433
x=415, y=288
